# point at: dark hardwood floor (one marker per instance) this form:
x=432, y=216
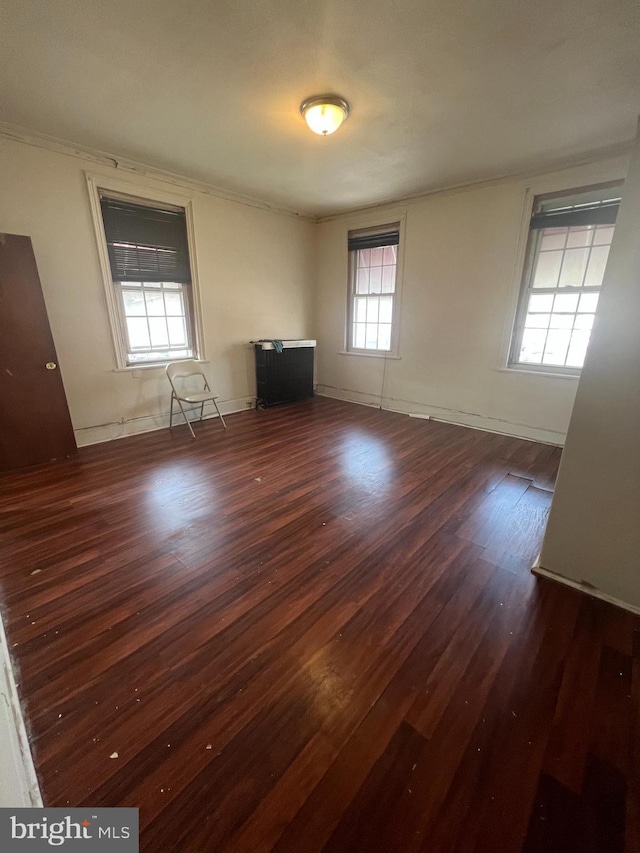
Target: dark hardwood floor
x=318, y=631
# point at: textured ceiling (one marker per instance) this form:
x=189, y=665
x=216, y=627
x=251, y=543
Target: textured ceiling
x=441, y=92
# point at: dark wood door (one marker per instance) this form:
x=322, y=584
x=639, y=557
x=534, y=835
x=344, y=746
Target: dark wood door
x=35, y=425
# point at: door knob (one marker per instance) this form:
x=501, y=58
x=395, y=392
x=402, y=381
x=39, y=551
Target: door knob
x=51, y=365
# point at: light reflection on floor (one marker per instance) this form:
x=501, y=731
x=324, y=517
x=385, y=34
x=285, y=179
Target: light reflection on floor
x=171, y=500
x=366, y=462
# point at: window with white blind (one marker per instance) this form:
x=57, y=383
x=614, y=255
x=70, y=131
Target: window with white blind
x=569, y=240
x=373, y=264
x=148, y=254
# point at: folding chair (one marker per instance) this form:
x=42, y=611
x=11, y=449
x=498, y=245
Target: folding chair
x=182, y=370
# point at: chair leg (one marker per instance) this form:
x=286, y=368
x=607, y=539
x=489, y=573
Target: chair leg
x=171, y=412
x=193, y=435
x=201, y=410
x=219, y=414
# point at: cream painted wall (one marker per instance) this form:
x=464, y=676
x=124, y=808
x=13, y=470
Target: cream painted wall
x=462, y=258
x=256, y=280
x=264, y=274
x=593, y=534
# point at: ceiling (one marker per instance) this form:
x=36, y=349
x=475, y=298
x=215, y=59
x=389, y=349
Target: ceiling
x=442, y=92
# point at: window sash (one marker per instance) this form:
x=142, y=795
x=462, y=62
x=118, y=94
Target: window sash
x=367, y=322
x=372, y=293
x=373, y=301
x=557, y=334
x=140, y=354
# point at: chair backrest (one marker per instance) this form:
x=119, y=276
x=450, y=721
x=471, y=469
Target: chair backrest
x=182, y=369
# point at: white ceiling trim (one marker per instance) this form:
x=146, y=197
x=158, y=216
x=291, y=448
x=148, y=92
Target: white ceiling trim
x=620, y=149
x=121, y=164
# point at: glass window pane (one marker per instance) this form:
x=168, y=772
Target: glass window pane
x=133, y=303
x=384, y=336
x=177, y=331
x=537, y=321
x=578, y=348
x=138, y=332
x=553, y=238
x=362, y=281
x=547, y=269
x=389, y=255
x=603, y=235
x=597, y=264
x=174, y=304
x=375, y=279
x=363, y=257
x=588, y=302
x=376, y=256
x=372, y=310
x=371, y=336
x=555, y=350
x=580, y=236
x=532, y=346
x=155, y=303
x=584, y=321
x=358, y=335
x=172, y=285
x=388, y=279
x=561, y=321
x=360, y=312
x=386, y=309
x=566, y=302
x=158, y=329
x=573, y=258
x=573, y=267
x=540, y=302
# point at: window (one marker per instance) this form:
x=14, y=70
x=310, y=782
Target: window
x=148, y=254
x=373, y=261
x=569, y=240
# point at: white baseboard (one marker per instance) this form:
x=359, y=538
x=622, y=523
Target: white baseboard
x=466, y=419
x=149, y=423
x=587, y=589
x=18, y=781
x=349, y=396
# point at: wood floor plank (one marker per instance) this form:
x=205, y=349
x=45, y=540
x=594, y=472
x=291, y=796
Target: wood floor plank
x=316, y=630
x=632, y=827
x=611, y=720
x=570, y=734
x=591, y=822
x=514, y=748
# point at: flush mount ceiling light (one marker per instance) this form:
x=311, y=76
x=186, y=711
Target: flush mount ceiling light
x=324, y=113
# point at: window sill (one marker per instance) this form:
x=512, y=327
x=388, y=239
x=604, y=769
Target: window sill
x=370, y=354
x=546, y=373
x=157, y=366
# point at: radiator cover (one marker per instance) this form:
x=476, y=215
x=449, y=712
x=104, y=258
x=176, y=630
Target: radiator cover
x=283, y=376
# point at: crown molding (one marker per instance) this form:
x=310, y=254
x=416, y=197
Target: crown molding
x=16, y=133
x=122, y=164
x=619, y=149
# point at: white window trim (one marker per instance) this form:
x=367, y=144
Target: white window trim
x=372, y=224
x=546, y=186
x=95, y=183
